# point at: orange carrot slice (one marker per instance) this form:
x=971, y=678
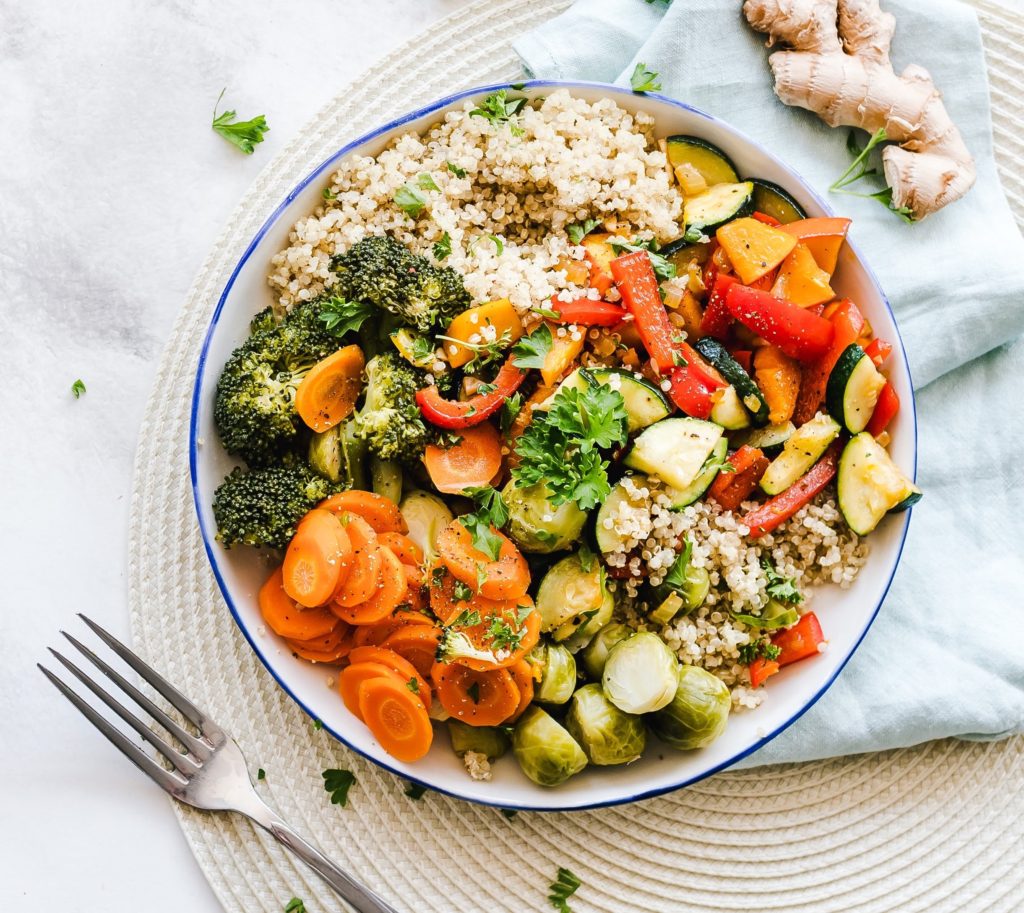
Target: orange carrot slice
x=522, y=675
x=328, y=393
x=405, y=670
x=314, y=559
x=288, y=619
x=416, y=643
x=506, y=578
x=407, y=551
x=396, y=718
x=475, y=698
x=389, y=592
x=330, y=649
x=374, y=635
x=354, y=675
x=364, y=573
x=382, y=515
x=473, y=461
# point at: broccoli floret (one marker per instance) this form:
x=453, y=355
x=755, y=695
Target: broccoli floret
x=389, y=419
x=383, y=272
x=266, y=319
x=456, y=646
x=254, y=409
x=262, y=507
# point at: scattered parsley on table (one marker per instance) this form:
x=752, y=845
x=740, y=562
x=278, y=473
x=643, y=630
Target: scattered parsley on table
x=78, y=388
x=562, y=889
x=338, y=783
x=244, y=134
x=644, y=80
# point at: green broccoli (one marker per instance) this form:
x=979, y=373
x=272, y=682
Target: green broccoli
x=254, y=409
x=262, y=507
x=383, y=272
x=389, y=419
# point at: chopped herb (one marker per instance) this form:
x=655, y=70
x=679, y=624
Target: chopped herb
x=676, y=576
x=474, y=692
x=544, y=536
x=413, y=685
x=415, y=791
x=518, y=86
x=456, y=170
x=695, y=235
x=261, y=774
x=485, y=539
x=586, y=558
x=410, y=200
x=317, y=725
x=859, y=168
x=644, y=80
x=425, y=182
x=779, y=587
x=757, y=649
x=498, y=108
x=503, y=636
x=338, y=783
x=562, y=889
x=443, y=248
x=437, y=576
x=484, y=353
x=78, y=388
x=404, y=607
x=531, y=351
x=481, y=575
x=498, y=243
x=295, y=906
x=509, y=410
x=509, y=813
x=489, y=503
x=448, y=438
x=329, y=194
x=462, y=592
x=580, y=230
x=486, y=389
x=664, y=268
x=244, y=134
x=467, y=618
x=341, y=316
x=550, y=313
x=491, y=512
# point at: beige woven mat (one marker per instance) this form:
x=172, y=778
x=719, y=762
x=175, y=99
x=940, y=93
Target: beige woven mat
x=936, y=828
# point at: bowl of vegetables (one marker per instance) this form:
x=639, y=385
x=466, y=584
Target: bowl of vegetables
x=542, y=471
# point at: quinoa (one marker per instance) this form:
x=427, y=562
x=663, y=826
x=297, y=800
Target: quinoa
x=571, y=161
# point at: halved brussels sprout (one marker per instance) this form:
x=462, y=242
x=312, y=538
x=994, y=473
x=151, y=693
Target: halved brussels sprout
x=576, y=633
x=544, y=749
x=339, y=455
x=689, y=584
x=697, y=713
x=596, y=653
x=640, y=674
x=606, y=734
x=572, y=587
x=487, y=740
x=536, y=524
x=426, y=515
x=386, y=476
x=559, y=673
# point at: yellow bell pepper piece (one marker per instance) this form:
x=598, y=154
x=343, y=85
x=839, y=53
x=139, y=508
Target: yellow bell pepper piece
x=469, y=327
x=801, y=281
x=754, y=248
x=564, y=352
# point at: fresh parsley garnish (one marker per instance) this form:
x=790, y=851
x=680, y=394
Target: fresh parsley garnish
x=426, y=182
x=498, y=243
x=781, y=588
x=676, y=576
x=244, y=134
x=340, y=316
x=78, y=388
x=317, y=725
x=443, y=248
x=757, y=649
x=509, y=410
x=644, y=80
x=261, y=774
x=456, y=170
x=550, y=313
x=413, y=685
x=503, y=636
x=467, y=618
x=295, y=906
x=664, y=268
x=415, y=791
x=484, y=353
x=694, y=234
x=859, y=168
x=580, y=230
x=462, y=591
x=532, y=350
x=474, y=692
x=338, y=783
x=437, y=576
x=586, y=558
x=491, y=512
x=410, y=200
x=498, y=108
x=562, y=889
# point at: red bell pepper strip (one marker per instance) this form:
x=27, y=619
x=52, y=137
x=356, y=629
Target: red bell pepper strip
x=885, y=410
x=636, y=282
x=764, y=283
x=717, y=319
x=587, y=312
x=779, y=509
x=848, y=322
x=744, y=358
x=800, y=641
x=878, y=350
x=708, y=375
x=690, y=393
x=764, y=217
x=730, y=489
x=760, y=669
x=456, y=414
x=792, y=329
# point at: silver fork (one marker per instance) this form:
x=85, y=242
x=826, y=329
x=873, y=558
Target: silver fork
x=209, y=770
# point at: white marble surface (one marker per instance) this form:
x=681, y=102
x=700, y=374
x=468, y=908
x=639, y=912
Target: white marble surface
x=112, y=189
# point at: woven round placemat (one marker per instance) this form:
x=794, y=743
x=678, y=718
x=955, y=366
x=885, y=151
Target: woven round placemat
x=939, y=827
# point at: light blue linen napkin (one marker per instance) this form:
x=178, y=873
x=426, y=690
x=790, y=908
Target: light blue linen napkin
x=946, y=655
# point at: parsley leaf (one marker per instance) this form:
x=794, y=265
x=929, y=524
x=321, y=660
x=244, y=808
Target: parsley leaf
x=456, y=170
x=425, y=182
x=694, y=234
x=317, y=725
x=580, y=230
x=338, y=783
x=491, y=511
x=485, y=539
x=77, y=389
x=503, y=636
x=410, y=200
x=340, y=316
x=644, y=80
x=498, y=243
x=498, y=108
x=443, y=248
x=244, y=134
x=295, y=906
x=562, y=889
x=415, y=791
x=484, y=353
x=779, y=587
x=676, y=576
x=261, y=774
x=329, y=194
x=509, y=410
x=467, y=618
x=489, y=503
x=664, y=268
x=462, y=591
x=758, y=648
x=532, y=350
x=413, y=685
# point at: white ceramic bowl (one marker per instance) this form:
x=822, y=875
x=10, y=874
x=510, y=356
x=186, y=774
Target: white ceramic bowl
x=845, y=615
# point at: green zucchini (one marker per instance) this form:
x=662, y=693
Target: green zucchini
x=717, y=205
x=870, y=485
x=681, y=253
x=645, y=403
x=770, y=437
x=693, y=491
x=732, y=371
x=674, y=450
x=729, y=412
x=853, y=388
x=705, y=158
x=773, y=201
x=800, y=453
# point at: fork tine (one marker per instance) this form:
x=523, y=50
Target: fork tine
x=136, y=755
x=178, y=700
x=182, y=762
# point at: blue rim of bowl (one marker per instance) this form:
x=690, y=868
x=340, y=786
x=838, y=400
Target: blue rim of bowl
x=209, y=540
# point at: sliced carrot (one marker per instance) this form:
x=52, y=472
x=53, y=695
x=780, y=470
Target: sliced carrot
x=286, y=618
x=328, y=393
x=397, y=720
x=471, y=462
x=382, y=515
x=512, y=644
x=522, y=675
x=374, y=635
x=330, y=649
x=415, y=599
x=313, y=562
x=506, y=578
x=475, y=698
x=416, y=643
x=389, y=592
x=354, y=675
x=364, y=573
x=408, y=552
x=404, y=669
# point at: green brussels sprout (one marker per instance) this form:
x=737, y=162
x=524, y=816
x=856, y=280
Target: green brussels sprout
x=544, y=749
x=559, y=673
x=426, y=515
x=697, y=713
x=640, y=674
x=576, y=633
x=596, y=653
x=487, y=740
x=606, y=734
x=573, y=601
x=386, y=476
x=536, y=524
x=339, y=455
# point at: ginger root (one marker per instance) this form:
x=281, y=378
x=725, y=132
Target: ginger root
x=838, y=67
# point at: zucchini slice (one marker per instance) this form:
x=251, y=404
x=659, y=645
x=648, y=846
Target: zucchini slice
x=870, y=484
x=717, y=205
x=608, y=540
x=699, y=485
x=853, y=388
x=771, y=437
x=729, y=412
x=773, y=201
x=674, y=450
x=800, y=453
x=705, y=158
x=645, y=403
x=749, y=393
